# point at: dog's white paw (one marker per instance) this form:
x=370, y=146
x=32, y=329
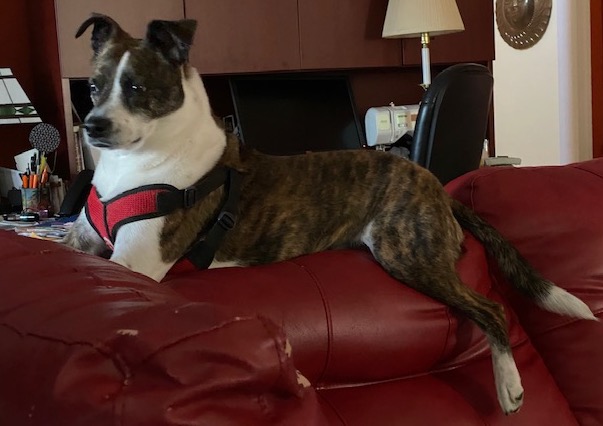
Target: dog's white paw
x=510, y=394
x=508, y=382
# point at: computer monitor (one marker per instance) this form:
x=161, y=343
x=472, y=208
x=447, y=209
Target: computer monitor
x=294, y=114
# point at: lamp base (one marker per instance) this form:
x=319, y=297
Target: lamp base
x=425, y=61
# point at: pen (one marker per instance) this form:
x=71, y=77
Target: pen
x=34, y=163
x=34, y=169
x=44, y=177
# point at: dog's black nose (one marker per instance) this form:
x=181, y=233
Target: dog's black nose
x=98, y=127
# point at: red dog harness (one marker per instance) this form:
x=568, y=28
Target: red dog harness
x=150, y=201
x=137, y=204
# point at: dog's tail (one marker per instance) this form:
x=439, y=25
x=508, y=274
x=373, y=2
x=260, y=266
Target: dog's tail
x=517, y=270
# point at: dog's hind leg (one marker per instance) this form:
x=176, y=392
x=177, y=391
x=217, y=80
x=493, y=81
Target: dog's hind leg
x=428, y=265
x=490, y=317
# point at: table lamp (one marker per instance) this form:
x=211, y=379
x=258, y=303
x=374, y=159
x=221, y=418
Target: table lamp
x=422, y=18
x=15, y=106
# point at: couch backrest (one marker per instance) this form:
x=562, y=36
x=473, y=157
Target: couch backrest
x=554, y=216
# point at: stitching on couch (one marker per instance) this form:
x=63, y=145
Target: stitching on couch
x=102, y=283
x=473, y=189
x=261, y=401
x=328, y=317
x=115, y=356
x=567, y=322
x=261, y=398
x=578, y=167
x=120, y=417
x=328, y=402
x=104, y=352
x=193, y=335
x=485, y=356
x=448, y=334
x=278, y=353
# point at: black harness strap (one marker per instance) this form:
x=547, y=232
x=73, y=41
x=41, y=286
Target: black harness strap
x=203, y=251
x=167, y=202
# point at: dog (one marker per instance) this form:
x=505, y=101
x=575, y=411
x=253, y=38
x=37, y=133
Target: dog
x=152, y=123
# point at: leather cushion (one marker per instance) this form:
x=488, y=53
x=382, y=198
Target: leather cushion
x=553, y=216
x=85, y=341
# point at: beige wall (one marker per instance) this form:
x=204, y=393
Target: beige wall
x=542, y=94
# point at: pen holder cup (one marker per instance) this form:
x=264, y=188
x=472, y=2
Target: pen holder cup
x=30, y=199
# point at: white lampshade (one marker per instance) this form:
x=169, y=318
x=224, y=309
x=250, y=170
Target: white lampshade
x=411, y=18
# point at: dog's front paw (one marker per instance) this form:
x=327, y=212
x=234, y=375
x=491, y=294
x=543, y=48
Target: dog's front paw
x=72, y=240
x=82, y=237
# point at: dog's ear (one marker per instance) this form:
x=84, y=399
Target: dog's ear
x=104, y=30
x=173, y=39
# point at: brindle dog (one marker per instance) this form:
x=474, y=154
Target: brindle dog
x=152, y=122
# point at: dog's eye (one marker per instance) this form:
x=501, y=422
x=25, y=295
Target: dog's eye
x=138, y=88
x=93, y=88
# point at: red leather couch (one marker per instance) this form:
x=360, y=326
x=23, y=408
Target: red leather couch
x=86, y=342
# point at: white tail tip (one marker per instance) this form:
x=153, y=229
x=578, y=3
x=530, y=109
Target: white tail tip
x=564, y=303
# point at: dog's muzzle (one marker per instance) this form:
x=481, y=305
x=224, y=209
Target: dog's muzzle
x=99, y=130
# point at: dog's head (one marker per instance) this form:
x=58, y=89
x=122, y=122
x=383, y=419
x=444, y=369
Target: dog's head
x=135, y=82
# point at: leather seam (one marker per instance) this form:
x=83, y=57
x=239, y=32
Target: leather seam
x=448, y=334
x=451, y=367
x=193, y=335
x=335, y=410
x=328, y=317
x=577, y=167
x=568, y=322
x=262, y=397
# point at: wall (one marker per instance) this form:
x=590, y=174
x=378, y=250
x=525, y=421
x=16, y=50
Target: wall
x=596, y=58
x=14, y=54
x=28, y=46
x=542, y=95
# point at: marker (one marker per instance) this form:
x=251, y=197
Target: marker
x=44, y=177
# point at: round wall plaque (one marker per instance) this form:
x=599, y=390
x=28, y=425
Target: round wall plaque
x=521, y=23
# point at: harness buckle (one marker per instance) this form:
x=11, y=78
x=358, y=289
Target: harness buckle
x=190, y=197
x=227, y=220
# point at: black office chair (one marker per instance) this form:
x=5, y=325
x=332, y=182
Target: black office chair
x=452, y=121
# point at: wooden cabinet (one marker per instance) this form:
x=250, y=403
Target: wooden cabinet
x=345, y=34
x=239, y=36
x=235, y=36
x=475, y=44
x=132, y=15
